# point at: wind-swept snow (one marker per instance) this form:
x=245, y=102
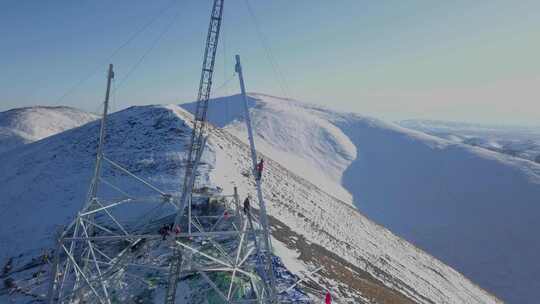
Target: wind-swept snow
x=44, y=184
x=24, y=125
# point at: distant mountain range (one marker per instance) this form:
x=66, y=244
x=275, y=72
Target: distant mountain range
x=517, y=141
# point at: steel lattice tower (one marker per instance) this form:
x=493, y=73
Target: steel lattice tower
x=103, y=258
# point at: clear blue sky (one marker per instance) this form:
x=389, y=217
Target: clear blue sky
x=456, y=60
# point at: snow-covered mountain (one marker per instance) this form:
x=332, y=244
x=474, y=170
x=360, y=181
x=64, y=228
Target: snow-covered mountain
x=43, y=184
x=441, y=126
x=474, y=209
x=517, y=141
x=24, y=125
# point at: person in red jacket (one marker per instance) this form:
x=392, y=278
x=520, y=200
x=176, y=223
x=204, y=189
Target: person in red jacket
x=328, y=298
x=260, y=167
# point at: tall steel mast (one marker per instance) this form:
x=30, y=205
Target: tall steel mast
x=198, y=139
x=198, y=135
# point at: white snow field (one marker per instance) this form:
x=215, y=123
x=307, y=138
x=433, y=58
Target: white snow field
x=43, y=184
x=24, y=125
x=474, y=209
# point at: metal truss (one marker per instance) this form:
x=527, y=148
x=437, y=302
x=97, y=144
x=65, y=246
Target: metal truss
x=120, y=248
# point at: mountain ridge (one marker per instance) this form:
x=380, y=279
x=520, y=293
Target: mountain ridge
x=151, y=141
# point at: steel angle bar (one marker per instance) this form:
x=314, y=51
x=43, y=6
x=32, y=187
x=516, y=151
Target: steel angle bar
x=114, y=164
x=82, y=274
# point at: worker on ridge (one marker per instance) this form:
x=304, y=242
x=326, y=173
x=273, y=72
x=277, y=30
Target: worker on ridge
x=246, y=204
x=328, y=298
x=164, y=231
x=260, y=167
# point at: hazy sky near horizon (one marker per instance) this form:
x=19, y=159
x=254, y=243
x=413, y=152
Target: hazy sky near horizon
x=460, y=60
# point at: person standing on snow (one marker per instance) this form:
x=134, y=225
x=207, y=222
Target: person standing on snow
x=164, y=231
x=260, y=167
x=246, y=204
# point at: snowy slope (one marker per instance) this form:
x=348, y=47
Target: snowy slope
x=297, y=135
x=57, y=170
x=474, y=209
x=24, y=125
x=43, y=185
